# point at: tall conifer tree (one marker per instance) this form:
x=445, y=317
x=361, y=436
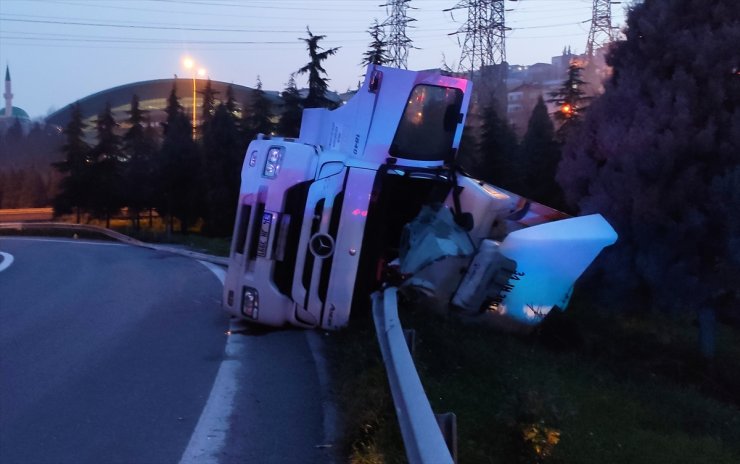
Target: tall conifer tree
x=208, y=105
x=289, y=124
x=179, y=168
x=107, y=180
x=257, y=115
x=498, y=159
x=540, y=155
x=75, y=186
x=657, y=154
x=139, y=148
x=377, y=52
x=317, y=83
x=571, y=101
x=223, y=153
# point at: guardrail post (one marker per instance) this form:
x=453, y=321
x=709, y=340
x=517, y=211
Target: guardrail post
x=447, y=422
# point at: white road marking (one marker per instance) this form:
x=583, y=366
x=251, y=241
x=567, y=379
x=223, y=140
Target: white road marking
x=6, y=261
x=218, y=271
x=328, y=404
x=209, y=436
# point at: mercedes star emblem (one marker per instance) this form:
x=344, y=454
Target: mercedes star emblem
x=322, y=245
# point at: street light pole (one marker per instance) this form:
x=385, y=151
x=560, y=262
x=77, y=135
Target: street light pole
x=190, y=64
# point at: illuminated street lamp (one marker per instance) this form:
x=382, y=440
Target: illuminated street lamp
x=190, y=64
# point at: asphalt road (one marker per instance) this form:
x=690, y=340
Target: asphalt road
x=108, y=354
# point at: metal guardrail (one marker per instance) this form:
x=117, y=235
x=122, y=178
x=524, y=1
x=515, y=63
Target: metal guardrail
x=116, y=236
x=421, y=433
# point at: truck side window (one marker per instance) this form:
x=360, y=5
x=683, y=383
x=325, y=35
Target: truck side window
x=427, y=127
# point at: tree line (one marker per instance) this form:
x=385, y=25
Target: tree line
x=658, y=154
x=490, y=149
x=27, y=181
x=183, y=175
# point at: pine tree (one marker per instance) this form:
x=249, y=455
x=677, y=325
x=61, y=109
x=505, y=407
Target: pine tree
x=32, y=191
x=16, y=179
x=179, y=168
x=289, y=124
x=223, y=153
x=317, y=84
x=75, y=186
x=34, y=141
x=14, y=134
x=540, y=155
x=571, y=100
x=107, y=180
x=139, y=148
x=257, y=115
x=498, y=159
x=378, y=51
x=231, y=101
x=208, y=107
x=657, y=154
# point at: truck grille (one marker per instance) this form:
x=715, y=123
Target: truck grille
x=336, y=214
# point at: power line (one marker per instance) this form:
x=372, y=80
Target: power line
x=156, y=26
x=267, y=5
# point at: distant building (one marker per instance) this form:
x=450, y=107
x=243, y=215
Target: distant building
x=153, y=96
x=153, y=99
x=12, y=114
x=527, y=83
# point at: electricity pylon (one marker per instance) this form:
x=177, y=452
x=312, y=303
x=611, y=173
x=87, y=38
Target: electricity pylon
x=484, y=31
x=601, y=32
x=398, y=42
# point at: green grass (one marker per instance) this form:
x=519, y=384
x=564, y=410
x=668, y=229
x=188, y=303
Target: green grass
x=218, y=246
x=586, y=388
x=371, y=433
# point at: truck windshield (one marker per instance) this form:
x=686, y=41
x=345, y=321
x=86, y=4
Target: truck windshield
x=427, y=128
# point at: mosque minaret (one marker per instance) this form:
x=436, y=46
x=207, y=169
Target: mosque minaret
x=8, y=94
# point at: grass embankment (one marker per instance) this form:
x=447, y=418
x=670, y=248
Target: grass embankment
x=587, y=388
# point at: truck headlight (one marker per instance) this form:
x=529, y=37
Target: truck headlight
x=273, y=162
x=250, y=302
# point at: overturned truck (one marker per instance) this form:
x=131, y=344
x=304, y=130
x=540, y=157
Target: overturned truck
x=370, y=190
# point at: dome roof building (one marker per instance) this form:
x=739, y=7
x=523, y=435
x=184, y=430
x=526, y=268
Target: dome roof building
x=153, y=96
